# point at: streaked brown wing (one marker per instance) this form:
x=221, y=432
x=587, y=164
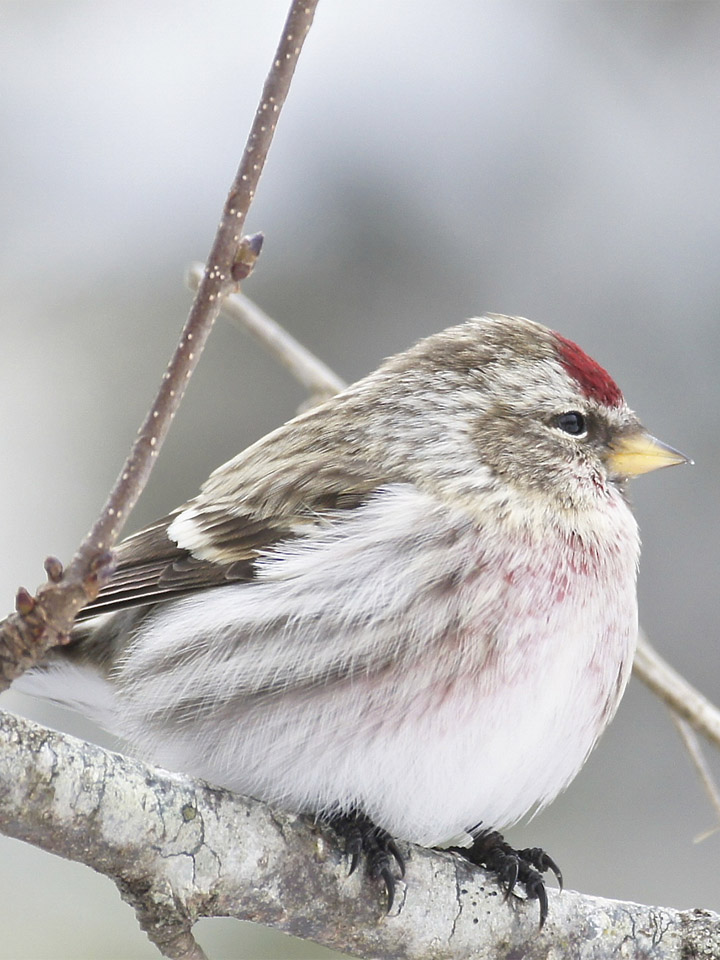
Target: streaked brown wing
x=152, y=568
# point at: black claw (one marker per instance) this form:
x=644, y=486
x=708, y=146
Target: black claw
x=353, y=847
x=541, y=896
x=551, y=865
x=510, y=875
x=535, y=890
x=380, y=851
x=399, y=858
x=542, y=862
x=389, y=886
x=513, y=867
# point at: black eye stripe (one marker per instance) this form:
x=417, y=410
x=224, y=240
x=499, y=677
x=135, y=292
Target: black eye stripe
x=572, y=422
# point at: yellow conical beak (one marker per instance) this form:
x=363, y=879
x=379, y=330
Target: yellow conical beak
x=639, y=453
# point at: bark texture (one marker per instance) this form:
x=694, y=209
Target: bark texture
x=179, y=849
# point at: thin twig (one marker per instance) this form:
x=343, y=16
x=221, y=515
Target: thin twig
x=218, y=279
x=675, y=691
x=314, y=375
x=45, y=620
x=692, y=745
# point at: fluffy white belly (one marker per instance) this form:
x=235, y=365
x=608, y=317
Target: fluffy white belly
x=443, y=689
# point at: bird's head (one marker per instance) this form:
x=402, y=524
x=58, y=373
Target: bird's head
x=511, y=400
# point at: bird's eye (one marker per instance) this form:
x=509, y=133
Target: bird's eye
x=572, y=422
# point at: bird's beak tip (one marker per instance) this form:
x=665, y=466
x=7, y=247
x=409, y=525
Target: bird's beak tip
x=638, y=453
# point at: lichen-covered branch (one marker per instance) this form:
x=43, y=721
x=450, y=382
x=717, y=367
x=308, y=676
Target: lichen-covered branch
x=179, y=849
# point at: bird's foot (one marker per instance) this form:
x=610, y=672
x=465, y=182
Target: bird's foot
x=512, y=867
x=383, y=859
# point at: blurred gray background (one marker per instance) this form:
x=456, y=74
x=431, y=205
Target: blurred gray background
x=555, y=160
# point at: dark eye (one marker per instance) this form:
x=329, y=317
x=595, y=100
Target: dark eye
x=572, y=422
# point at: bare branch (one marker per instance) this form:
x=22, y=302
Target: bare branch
x=46, y=619
x=675, y=691
x=179, y=850
x=693, y=747
x=314, y=375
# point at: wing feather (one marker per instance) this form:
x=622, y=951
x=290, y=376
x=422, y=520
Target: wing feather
x=207, y=545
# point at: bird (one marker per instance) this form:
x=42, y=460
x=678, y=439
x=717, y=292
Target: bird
x=410, y=611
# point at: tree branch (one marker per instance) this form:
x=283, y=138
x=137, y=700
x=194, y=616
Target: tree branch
x=672, y=688
x=693, y=747
x=45, y=620
x=179, y=850
x=310, y=372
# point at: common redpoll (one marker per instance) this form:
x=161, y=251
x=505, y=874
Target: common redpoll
x=410, y=610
